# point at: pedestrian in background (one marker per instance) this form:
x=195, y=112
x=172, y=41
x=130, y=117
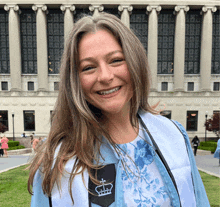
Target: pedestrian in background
x=217, y=151
x=195, y=143
x=35, y=143
x=1, y=150
x=4, y=142
x=32, y=140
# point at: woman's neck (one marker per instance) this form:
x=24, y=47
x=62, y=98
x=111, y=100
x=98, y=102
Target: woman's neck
x=120, y=128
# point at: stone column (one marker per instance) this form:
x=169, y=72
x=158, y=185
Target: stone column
x=153, y=43
x=42, y=56
x=96, y=9
x=179, y=47
x=206, y=48
x=68, y=10
x=125, y=14
x=14, y=46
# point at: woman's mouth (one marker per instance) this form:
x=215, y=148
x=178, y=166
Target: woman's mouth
x=109, y=91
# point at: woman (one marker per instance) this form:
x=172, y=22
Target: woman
x=106, y=146
x=195, y=143
x=217, y=151
x=4, y=142
x=1, y=150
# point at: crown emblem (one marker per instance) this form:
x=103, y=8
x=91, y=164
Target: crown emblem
x=104, y=189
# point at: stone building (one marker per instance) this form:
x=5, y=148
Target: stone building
x=182, y=39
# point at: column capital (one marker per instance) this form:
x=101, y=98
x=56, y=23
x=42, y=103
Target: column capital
x=43, y=7
x=206, y=8
x=151, y=8
x=64, y=7
x=100, y=8
x=178, y=8
x=123, y=7
x=15, y=7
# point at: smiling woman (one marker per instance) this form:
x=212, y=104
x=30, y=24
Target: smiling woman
x=103, y=73
x=107, y=146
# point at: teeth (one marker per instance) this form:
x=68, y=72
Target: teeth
x=108, y=92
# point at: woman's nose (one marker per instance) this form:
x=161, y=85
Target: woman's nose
x=105, y=73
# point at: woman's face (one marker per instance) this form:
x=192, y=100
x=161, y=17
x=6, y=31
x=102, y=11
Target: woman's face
x=103, y=73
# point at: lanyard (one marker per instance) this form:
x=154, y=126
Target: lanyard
x=157, y=150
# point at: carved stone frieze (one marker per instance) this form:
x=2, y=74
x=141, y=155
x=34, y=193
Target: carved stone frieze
x=206, y=8
x=129, y=8
x=100, y=8
x=64, y=7
x=150, y=8
x=15, y=7
x=43, y=7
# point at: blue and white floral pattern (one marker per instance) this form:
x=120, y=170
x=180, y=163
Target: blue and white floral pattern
x=142, y=183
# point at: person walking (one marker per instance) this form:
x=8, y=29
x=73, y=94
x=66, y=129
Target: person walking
x=217, y=151
x=4, y=142
x=1, y=150
x=195, y=143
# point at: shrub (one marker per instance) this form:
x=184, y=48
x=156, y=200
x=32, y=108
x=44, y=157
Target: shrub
x=210, y=146
x=13, y=143
x=16, y=147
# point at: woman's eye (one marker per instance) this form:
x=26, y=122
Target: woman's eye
x=118, y=60
x=87, y=68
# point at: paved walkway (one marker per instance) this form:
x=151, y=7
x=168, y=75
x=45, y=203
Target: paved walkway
x=205, y=163
x=208, y=164
x=13, y=161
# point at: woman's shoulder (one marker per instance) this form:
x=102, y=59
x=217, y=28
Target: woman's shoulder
x=159, y=122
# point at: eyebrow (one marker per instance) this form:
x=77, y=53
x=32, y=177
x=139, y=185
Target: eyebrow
x=109, y=54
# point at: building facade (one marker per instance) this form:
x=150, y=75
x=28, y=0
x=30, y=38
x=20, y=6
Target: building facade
x=182, y=40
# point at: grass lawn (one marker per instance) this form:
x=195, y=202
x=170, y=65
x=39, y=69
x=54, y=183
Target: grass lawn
x=212, y=187
x=13, y=188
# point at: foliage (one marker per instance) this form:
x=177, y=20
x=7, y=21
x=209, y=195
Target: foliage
x=16, y=147
x=210, y=146
x=13, y=143
x=3, y=128
x=213, y=124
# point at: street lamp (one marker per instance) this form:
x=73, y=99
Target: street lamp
x=13, y=115
x=206, y=115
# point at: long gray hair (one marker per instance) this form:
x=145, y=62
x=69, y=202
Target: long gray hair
x=76, y=125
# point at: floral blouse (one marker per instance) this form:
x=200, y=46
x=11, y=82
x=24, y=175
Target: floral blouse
x=143, y=185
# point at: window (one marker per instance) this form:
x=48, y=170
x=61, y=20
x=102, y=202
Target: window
x=56, y=86
x=190, y=86
x=113, y=11
x=216, y=43
x=4, y=86
x=166, y=113
x=166, y=32
x=164, y=86
x=192, y=120
x=4, y=118
x=28, y=41
x=30, y=86
x=55, y=31
x=193, y=41
x=216, y=86
x=139, y=24
x=4, y=45
x=29, y=120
